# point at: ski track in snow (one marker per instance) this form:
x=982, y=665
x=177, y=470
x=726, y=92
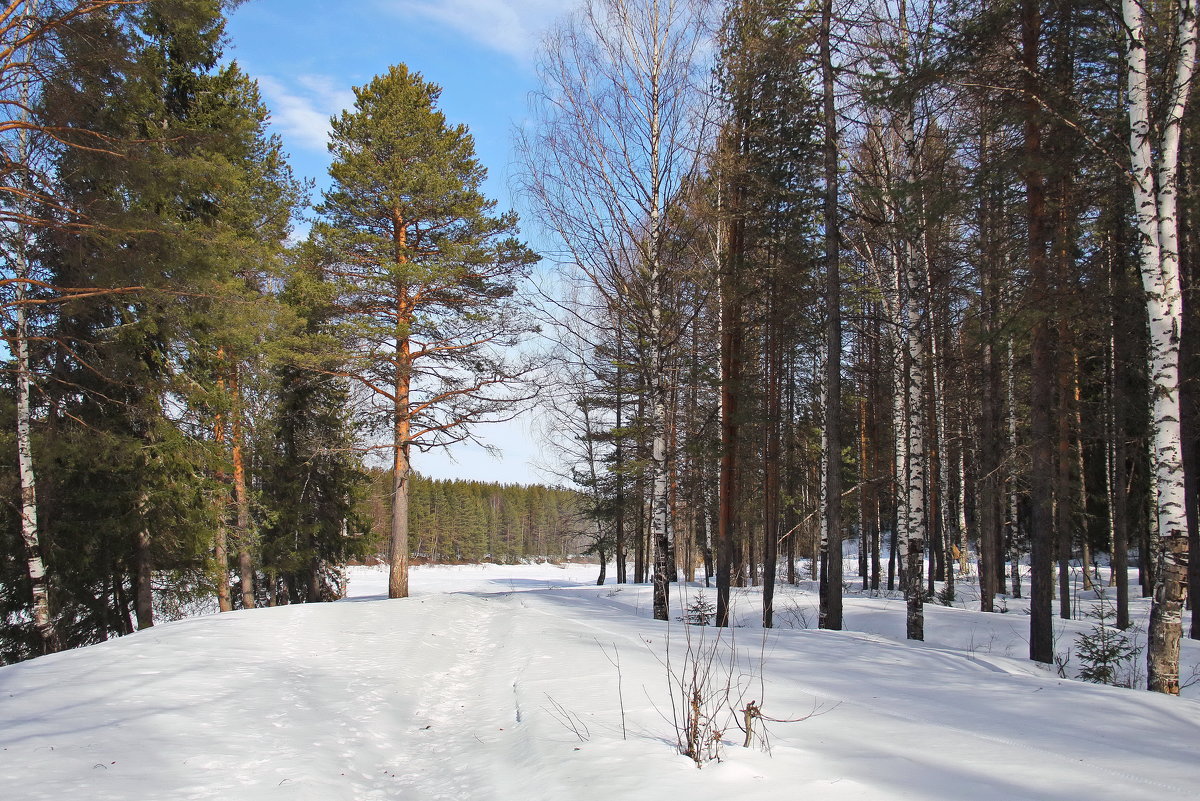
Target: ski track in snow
x=492, y=684
x=459, y=715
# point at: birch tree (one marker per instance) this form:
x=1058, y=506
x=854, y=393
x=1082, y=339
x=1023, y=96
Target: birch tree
x=617, y=134
x=18, y=341
x=891, y=174
x=1154, y=161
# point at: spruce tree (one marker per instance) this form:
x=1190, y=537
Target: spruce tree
x=312, y=483
x=185, y=208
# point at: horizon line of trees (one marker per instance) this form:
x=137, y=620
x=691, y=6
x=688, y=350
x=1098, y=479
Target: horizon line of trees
x=465, y=521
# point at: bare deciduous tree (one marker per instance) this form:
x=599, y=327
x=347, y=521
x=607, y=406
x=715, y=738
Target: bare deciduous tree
x=618, y=131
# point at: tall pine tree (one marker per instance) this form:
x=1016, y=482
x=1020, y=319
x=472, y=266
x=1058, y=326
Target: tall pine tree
x=425, y=277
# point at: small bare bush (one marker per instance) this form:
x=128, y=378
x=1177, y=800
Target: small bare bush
x=704, y=692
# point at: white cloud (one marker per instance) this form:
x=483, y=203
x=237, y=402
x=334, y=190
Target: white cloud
x=301, y=110
x=512, y=27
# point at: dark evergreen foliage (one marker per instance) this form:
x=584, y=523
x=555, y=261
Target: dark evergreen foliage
x=452, y=520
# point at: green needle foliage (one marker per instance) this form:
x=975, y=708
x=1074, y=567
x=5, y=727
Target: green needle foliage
x=174, y=228
x=417, y=259
x=1106, y=652
x=423, y=277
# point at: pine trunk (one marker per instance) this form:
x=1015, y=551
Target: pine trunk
x=398, y=548
x=221, y=536
x=991, y=536
x=832, y=617
x=240, y=492
x=143, y=595
x=1041, y=478
x=772, y=429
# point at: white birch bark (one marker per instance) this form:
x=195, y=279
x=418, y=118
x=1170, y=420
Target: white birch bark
x=43, y=621
x=821, y=563
x=660, y=532
x=1110, y=457
x=904, y=284
x=1154, y=190
x=960, y=503
x=938, y=394
x=911, y=292
x=900, y=431
x=914, y=585
x=823, y=483
x=915, y=292
x=39, y=582
x=891, y=281
x=619, y=130
x=1014, y=509
x=895, y=304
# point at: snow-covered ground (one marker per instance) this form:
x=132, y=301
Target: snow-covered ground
x=530, y=682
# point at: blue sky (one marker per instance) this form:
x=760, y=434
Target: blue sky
x=308, y=54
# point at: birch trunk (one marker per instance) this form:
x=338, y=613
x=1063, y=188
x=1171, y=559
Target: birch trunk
x=914, y=589
x=1063, y=497
x=1154, y=189
x=1118, y=515
x=962, y=490
x=660, y=533
x=619, y=455
x=1014, y=509
x=912, y=286
x=39, y=583
x=900, y=370
x=1085, y=547
x=821, y=556
x=864, y=479
x=949, y=531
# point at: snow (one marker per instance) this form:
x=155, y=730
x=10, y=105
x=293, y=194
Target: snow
x=498, y=682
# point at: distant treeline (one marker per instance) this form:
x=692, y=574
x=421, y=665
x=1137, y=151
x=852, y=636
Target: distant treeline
x=467, y=521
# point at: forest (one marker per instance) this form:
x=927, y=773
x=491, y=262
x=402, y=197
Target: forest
x=200, y=398
x=907, y=277
x=904, y=281
x=461, y=521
